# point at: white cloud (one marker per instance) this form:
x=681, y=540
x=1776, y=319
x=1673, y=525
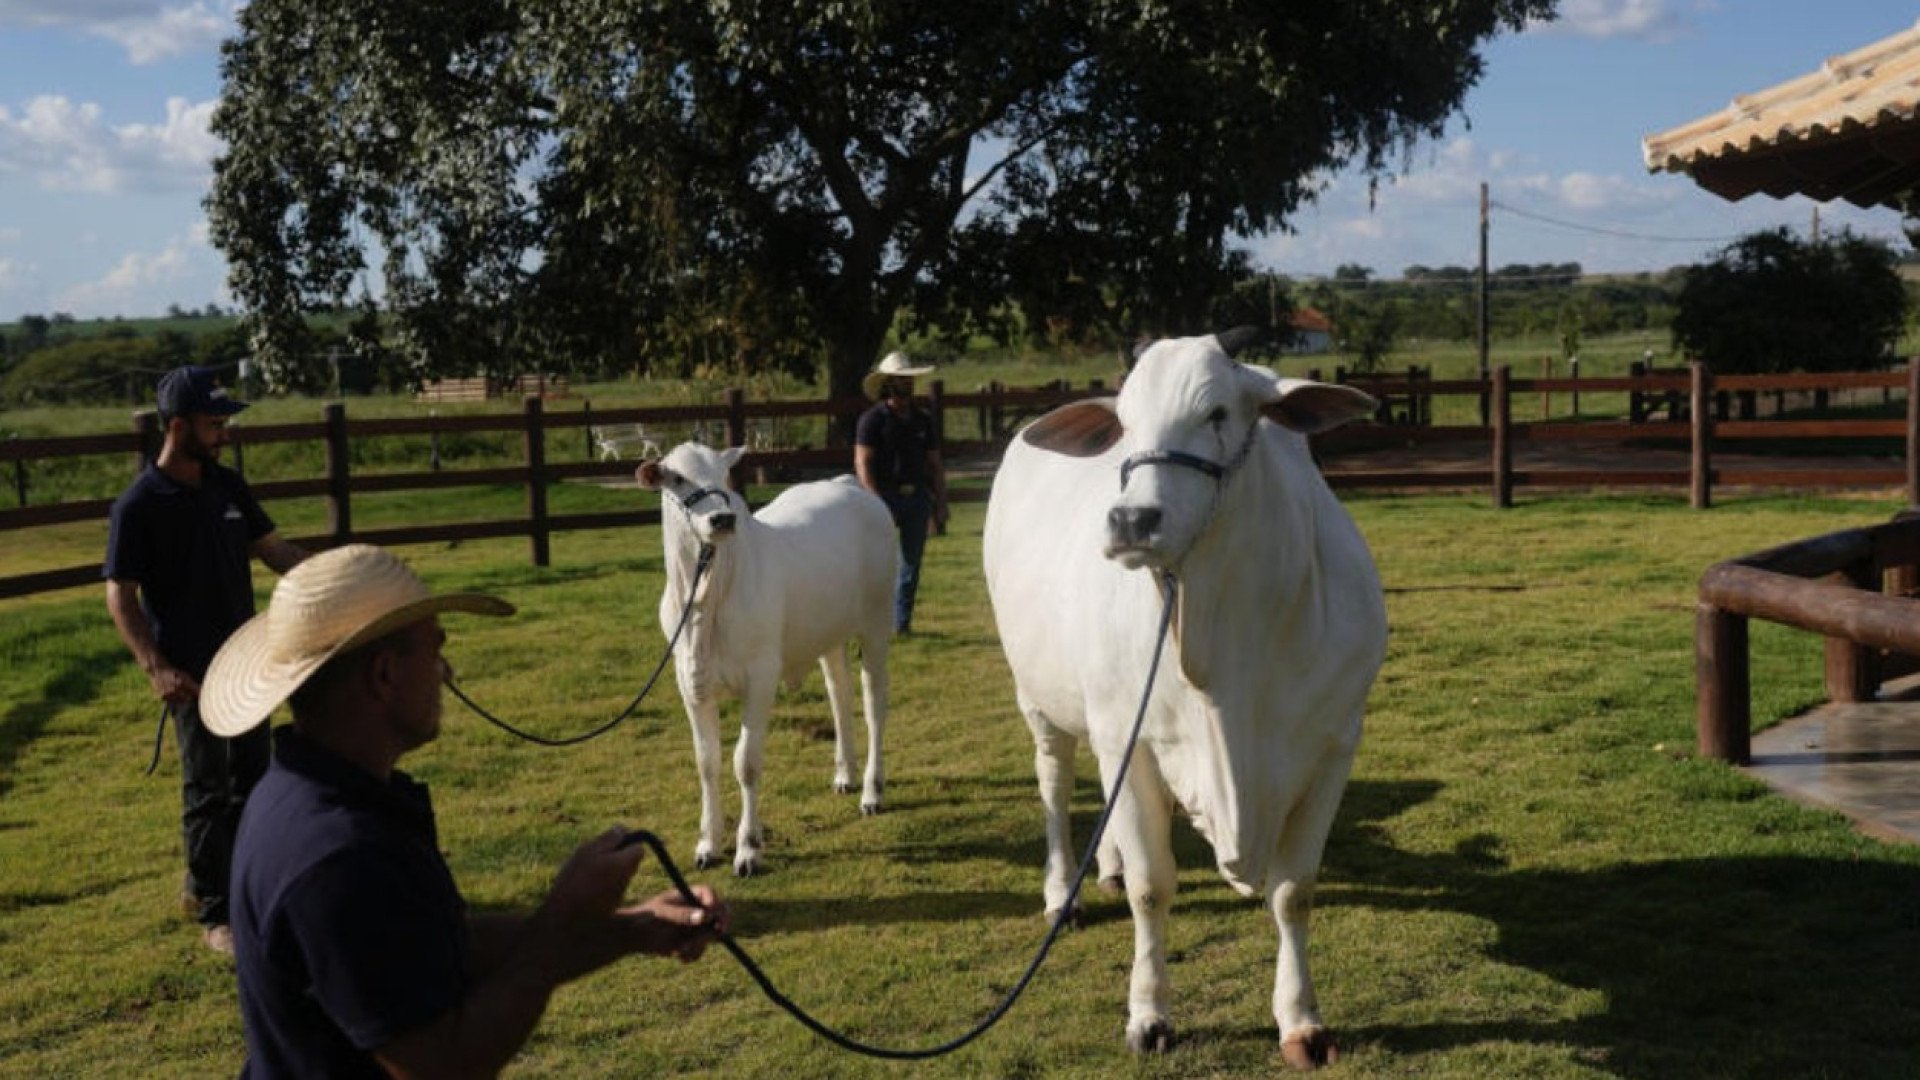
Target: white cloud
x=148, y=31
x=146, y=281
x=1640, y=20
x=64, y=145
x=11, y=272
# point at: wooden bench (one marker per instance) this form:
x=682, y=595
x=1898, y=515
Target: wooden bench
x=617, y=439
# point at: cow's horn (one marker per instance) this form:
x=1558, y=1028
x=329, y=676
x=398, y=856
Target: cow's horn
x=1234, y=340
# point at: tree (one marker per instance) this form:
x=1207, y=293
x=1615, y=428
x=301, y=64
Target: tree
x=1771, y=303
x=604, y=181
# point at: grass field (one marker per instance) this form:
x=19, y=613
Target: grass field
x=1531, y=875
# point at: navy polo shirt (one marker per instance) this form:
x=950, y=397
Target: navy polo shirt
x=899, y=444
x=188, y=548
x=348, y=929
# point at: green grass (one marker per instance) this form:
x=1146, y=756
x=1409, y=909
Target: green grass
x=1532, y=875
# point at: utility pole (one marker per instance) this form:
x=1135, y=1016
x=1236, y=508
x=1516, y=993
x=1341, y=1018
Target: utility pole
x=1816, y=225
x=1483, y=299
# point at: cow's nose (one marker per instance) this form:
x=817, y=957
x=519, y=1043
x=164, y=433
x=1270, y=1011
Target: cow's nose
x=723, y=523
x=1133, y=525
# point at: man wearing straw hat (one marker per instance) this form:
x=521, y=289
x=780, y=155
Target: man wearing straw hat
x=355, y=952
x=896, y=455
x=180, y=542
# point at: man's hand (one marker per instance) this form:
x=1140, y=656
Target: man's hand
x=940, y=517
x=173, y=686
x=669, y=926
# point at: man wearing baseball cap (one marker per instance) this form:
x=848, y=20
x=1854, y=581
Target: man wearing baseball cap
x=179, y=580
x=356, y=955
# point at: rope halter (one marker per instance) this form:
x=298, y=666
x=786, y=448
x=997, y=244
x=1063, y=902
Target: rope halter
x=1221, y=474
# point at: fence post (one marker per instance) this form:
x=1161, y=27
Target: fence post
x=146, y=427
x=1546, y=396
x=1502, y=437
x=1913, y=431
x=1573, y=372
x=20, y=479
x=586, y=426
x=1723, y=723
x=937, y=405
x=532, y=409
x=339, y=498
x=1701, y=495
x=1853, y=671
x=1636, y=405
x=737, y=431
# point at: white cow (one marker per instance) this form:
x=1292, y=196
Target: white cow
x=794, y=583
x=1199, y=468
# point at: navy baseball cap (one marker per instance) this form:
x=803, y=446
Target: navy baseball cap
x=185, y=391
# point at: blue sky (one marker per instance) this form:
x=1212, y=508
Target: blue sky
x=105, y=155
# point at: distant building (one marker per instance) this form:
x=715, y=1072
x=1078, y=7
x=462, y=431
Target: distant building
x=1312, y=332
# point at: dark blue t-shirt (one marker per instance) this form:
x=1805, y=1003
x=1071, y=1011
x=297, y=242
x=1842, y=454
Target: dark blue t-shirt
x=187, y=547
x=899, y=444
x=348, y=929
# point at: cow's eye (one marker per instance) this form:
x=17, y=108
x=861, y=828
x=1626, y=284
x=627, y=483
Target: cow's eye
x=669, y=478
x=1218, y=416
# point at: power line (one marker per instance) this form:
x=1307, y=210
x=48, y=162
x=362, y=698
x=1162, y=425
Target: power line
x=1603, y=230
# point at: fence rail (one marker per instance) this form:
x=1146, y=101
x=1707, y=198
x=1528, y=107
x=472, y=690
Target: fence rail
x=999, y=411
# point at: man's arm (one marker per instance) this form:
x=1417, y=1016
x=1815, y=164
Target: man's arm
x=170, y=684
x=279, y=553
x=863, y=468
x=577, y=930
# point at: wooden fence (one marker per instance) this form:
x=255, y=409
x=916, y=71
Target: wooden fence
x=1854, y=587
x=1000, y=410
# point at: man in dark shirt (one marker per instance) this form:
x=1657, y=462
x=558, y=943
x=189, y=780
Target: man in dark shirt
x=356, y=954
x=179, y=581
x=896, y=455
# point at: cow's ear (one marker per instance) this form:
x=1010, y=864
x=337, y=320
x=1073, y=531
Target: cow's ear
x=650, y=475
x=1081, y=429
x=731, y=457
x=1313, y=407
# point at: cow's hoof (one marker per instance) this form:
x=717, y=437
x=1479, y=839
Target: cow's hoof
x=1114, y=885
x=1308, y=1050
x=843, y=787
x=746, y=865
x=869, y=809
x=703, y=858
x=1076, y=919
x=1155, y=1038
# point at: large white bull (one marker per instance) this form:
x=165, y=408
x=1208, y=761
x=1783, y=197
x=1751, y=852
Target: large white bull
x=1199, y=468
x=794, y=583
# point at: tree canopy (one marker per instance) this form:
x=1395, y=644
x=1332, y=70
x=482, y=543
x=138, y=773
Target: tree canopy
x=1771, y=303
x=612, y=182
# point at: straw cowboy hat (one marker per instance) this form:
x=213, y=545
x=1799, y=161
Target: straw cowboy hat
x=328, y=604
x=894, y=366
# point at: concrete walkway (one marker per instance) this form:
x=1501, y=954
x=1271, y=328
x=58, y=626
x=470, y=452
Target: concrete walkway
x=1862, y=760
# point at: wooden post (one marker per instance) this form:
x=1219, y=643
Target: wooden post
x=937, y=407
x=20, y=479
x=737, y=432
x=536, y=443
x=1853, y=670
x=586, y=426
x=339, y=495
x=994, y=389
x=1573, y=372
x=1913, y=431
x=1546, y=396
x=146, y=425
x=1502, y=437
x=1636, y=404
x=1723, y=722
x=1701, y=495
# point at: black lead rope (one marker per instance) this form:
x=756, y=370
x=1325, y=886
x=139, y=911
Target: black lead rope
x=159, y=737
x=846, y=1042
x=686, y=612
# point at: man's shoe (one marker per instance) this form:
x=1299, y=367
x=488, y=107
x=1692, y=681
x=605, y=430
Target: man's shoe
x=219, y=939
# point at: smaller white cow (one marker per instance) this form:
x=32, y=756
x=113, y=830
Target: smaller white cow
x=794, y=583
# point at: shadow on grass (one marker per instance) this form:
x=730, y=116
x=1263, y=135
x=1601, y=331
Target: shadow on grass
x=77, y=682
x=1741, y=966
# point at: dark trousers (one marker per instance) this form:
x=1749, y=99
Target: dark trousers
x=216, y=775
x=911, y=512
